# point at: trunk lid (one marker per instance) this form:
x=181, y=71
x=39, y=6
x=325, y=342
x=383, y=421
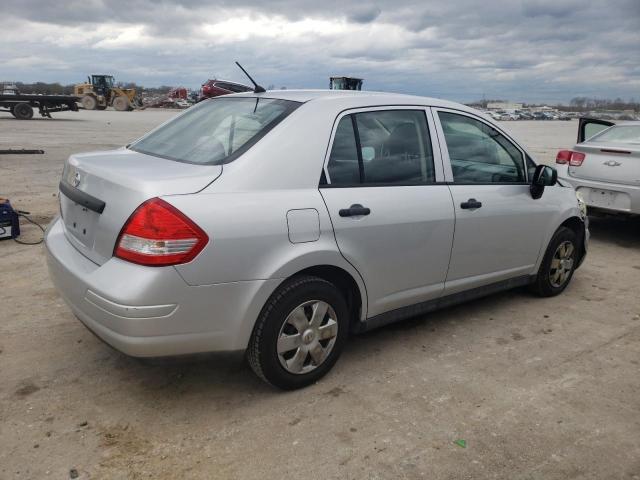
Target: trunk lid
x=608, y=162
x=100, y=190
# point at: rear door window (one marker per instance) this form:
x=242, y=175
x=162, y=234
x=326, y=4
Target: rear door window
x=385, y=147
x=479, y=153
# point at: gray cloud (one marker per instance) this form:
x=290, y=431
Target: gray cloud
x=535, y=50
x=364, y=14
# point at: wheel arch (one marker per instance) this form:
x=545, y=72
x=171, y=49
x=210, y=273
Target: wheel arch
x=335, y=274
x=569, y=218
x=323, y=261
x=346, y=283
x=576, y=224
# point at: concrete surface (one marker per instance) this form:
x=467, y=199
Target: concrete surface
x=538, y=388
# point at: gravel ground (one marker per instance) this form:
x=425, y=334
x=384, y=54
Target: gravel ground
x=537, y=388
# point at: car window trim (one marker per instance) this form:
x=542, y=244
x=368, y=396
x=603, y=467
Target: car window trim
x=439, y=178
x=449, y=169
x=356, y=134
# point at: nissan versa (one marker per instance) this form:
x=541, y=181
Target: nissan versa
x=277, y=223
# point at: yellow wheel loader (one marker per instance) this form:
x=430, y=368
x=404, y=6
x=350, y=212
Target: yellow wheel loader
x=99, y=93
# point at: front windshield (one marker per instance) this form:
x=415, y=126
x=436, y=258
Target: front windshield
x=619, y=134
x=215, y=131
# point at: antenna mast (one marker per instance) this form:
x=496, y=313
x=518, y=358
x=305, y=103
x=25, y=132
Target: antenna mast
x=257, y=88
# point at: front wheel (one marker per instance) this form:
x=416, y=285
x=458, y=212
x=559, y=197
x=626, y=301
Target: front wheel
x=121, y=103
x=300, y=333
x=559, y=263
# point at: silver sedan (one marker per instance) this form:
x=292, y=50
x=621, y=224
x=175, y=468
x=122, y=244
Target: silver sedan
x=277, y=223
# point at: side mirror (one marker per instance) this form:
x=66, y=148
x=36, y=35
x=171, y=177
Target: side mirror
x=544, y=176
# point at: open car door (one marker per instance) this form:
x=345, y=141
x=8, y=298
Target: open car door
x=588, y=127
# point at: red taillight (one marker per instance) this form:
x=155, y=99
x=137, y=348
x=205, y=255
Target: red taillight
x=563, y=157
x=158, y=234
x=574, y=159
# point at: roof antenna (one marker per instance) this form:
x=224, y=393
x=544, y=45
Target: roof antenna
x=258, y=88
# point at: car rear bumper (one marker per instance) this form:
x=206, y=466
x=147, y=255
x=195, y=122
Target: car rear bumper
x=151, y=311
x=616, y=198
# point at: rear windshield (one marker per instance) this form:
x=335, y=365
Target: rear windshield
x=620, y=134
x=215, y=131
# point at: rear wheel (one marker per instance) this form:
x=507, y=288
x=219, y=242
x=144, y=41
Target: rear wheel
x=121, y=103
x=89, y=102
x=300, y=333
x=23, y=111
x=558, y=264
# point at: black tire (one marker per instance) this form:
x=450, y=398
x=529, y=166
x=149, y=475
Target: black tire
x=543, y=285
x=23, y=111
x=89, y=102
x=262, y=353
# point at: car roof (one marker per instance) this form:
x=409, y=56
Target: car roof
x=354, y=98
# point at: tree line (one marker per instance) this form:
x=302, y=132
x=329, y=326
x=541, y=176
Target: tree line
x=587, y=103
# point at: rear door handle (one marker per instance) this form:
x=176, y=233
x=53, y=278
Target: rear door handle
x=471, y=204
x=354, y=210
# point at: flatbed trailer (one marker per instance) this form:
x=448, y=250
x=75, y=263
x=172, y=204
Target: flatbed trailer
x=21, y=105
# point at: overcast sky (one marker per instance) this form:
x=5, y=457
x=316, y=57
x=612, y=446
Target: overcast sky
x=531, y=50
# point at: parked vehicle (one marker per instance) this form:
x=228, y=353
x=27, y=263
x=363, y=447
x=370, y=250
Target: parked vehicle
x=524, y=115
x=215, y=88
x=21, y=105
x=100, y=92
x=277, y=223
x=604, y=166
x=345, y=83
x=9, y=89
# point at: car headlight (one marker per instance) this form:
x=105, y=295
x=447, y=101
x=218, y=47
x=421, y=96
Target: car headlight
x=582, y=206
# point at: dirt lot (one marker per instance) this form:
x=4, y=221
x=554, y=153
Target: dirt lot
x=538, y=389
